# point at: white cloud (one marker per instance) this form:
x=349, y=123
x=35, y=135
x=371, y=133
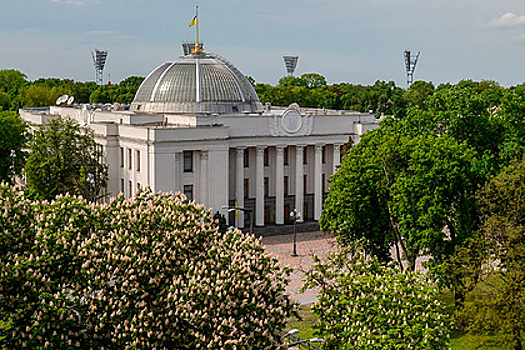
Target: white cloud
x=507, y=20
x=103, y=32
x=74, y=2
x=520, y=38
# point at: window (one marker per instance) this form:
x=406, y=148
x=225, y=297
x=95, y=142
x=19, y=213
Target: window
x=122, y=185
x=188, y=161
x=266, y=156
x=137, y=160
x=305, y=184
x=122, y=160
x=266, y=186
x=246, y=188
x=247, y=158
x=188, y=192
x=129, y=158
x=138, y=186
x=324, y=154
x=305, y=155
x=286, y=156
x=323, y=181
x=286, y=180
x=130, y=188
x=266, y=215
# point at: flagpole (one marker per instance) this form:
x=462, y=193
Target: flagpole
x=197, y=46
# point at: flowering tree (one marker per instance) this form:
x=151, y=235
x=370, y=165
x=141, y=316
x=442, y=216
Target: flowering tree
x=149, y=272
x=364, y=304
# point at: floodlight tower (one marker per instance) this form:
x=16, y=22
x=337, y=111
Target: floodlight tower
x=410, y=65
x=290, y=62
x=99, y=61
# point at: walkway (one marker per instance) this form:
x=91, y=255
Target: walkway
x=308, y=244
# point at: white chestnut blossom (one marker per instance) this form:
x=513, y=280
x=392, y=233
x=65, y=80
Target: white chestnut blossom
x=151, y=272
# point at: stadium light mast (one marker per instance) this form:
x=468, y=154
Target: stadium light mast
x=290, y=63
x=99, y=61
x=410, y=65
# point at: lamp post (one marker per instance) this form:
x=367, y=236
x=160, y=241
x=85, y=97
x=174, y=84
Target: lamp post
x=295, y=215
x=249, y=210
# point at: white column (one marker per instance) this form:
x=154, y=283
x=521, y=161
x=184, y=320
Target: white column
x=204, y=179
x=337, y=157
x=279, y=185
x=259, y=187
x=318, y=195
x=179, y=172
x=239, y=186
x=299, y=181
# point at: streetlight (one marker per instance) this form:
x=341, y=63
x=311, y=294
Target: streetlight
x=249, y=210
x=295, y=215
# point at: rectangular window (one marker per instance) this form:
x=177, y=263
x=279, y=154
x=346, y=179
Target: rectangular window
x=188, y=161
x=305, y=184
x=267, y=157
x=138, y=160
x=286, y=180
x=188, y=192
x=130, y=188
x=324, y=155
x=129, y=158
x=247, y=158
x=266, y=215
x=122, y=159
x=286, y=156
x=122, y=185
x=323, y=181
x=266, y=186
x=246, y=188
x=138, y=186
x=305, y=155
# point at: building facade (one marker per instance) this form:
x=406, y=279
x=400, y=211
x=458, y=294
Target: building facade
x=196, y=126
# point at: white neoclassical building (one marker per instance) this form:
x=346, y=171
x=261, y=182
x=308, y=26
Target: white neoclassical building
x=197, y=126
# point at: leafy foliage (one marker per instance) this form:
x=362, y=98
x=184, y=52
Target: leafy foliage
x=364, y=304
x=12, y=142
x=149, y=272
x=402, y=190
x=64, y=158
x=498, y=304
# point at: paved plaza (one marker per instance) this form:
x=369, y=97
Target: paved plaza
x=308, y=244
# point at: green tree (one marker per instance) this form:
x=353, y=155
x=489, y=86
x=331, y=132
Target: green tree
x=5, y=101
x=411, y=192
x=498, y=302
x=64, y=158
x=12, y=142
x=148, y=272
x=11, y=79
x=364, y=304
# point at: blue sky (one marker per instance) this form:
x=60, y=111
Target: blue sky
x=357, y=41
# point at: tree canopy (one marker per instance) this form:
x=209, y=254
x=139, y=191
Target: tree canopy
x=496, y=303
x=12, y=142
x=365, y=304
x=64, y=158
x=149, y=272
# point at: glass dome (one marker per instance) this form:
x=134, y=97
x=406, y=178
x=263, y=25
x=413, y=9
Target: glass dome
x=196, y=83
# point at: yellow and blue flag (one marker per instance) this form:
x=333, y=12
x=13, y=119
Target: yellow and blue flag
x=193, y=22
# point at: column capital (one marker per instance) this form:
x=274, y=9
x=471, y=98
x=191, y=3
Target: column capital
x=319, y=148
x=204, y=155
